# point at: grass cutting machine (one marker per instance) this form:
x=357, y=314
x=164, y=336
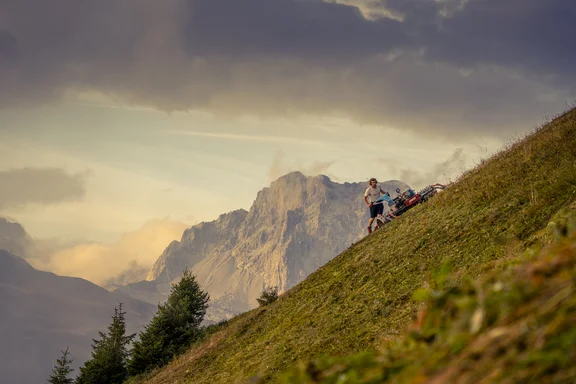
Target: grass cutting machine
x=405, y=199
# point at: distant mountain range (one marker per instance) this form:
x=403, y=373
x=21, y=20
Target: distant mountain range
x=42, y=313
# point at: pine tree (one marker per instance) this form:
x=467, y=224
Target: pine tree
x=268, y=296
x=109, y=354
x=174, y=327
x=61, y=370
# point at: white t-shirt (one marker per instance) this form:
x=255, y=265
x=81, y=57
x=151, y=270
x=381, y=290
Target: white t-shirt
x=373, y=193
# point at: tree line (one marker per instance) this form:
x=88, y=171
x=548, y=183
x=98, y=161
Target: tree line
x=174, y=327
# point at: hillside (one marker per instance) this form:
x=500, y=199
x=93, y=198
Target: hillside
x=363, y=299
x=512, y=325
x=42, y=313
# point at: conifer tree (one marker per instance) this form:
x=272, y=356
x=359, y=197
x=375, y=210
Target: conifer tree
x=61, y=370
x=268, y=296
x=109, y=354
x=173, y=328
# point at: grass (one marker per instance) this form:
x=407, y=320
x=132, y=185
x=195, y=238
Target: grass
x=512, y=326
x=362, y=301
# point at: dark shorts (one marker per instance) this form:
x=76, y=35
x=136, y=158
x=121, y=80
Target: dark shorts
x=376, y=210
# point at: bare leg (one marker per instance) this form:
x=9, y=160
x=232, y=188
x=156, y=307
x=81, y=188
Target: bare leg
x=370, y=224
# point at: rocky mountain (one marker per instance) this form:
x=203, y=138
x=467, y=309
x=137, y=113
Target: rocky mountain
x=13, y=237
x=294, y=226
x=42, y=313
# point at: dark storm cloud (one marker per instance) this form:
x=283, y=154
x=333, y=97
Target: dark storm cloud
x=532, y=34
x=8, y=48
x=536, y=35
x=311, y=30
x=451, y=66
x=20, y=187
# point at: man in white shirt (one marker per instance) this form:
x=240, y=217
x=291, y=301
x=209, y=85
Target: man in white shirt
x=373, y=192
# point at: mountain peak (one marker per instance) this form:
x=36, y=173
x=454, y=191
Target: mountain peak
x=13, y=226
x=297, y=177
x=13, y=237
x=294, y=175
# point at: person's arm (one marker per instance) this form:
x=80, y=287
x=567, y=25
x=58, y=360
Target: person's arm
x=366, y=199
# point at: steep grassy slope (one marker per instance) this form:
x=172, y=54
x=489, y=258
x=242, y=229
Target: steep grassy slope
x=362, y=299
x=511, y=326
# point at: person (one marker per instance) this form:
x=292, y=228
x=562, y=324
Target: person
x=373, y=192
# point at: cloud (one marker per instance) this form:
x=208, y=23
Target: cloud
x=442, y=66
x=371, y=9
x=20, y=187
x=124, y=261
x=442, y=172
x=311, y=30
x=280, y=167
x=245, y=137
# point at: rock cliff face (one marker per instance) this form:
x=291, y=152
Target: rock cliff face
x=196, y=243
x=294, y=226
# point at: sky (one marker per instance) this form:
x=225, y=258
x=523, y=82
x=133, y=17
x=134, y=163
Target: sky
x=119, y=116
